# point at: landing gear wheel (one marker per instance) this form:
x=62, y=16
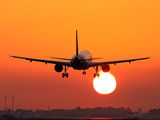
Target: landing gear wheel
x=98, y=75
x=84, y=73
x=66, y=75
x=63, y=75
x=94, y=75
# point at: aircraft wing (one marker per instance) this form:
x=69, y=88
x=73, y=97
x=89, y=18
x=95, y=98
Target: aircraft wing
x=92, y=64
x=45, y=61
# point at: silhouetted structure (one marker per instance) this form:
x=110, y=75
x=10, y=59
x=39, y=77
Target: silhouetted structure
x=155, y=113
x=106, y=112
x=5, y=101
x=97, y=112
x=12, y=102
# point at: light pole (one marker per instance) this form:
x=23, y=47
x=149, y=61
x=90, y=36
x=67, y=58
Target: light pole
x=5, y=101
x=12, y=102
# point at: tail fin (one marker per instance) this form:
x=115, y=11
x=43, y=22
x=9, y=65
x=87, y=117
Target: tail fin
x=76, y=44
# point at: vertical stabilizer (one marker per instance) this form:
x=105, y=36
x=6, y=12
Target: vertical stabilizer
x=76, y=44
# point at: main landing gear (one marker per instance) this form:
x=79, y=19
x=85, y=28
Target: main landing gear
x=65, y=74
x=96, y=74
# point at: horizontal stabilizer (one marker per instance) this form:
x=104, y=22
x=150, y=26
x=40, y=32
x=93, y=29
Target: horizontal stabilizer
x=60, y=58
x=71, y=59
x=93, y=58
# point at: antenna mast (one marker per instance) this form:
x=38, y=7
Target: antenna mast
x=5, y=101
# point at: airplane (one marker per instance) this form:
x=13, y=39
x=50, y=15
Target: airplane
x=80, y=61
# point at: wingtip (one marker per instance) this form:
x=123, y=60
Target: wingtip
x=12, y=56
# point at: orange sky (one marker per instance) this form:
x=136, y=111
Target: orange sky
x=112, y=29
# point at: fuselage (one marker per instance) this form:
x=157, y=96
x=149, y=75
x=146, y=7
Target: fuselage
x=81, y=60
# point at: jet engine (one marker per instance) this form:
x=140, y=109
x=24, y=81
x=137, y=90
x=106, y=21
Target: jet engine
x=58, y=68
x=105, y=68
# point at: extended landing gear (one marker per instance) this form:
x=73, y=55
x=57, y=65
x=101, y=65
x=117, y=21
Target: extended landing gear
x=65, y=74
x=96, y=74
x=84, y=72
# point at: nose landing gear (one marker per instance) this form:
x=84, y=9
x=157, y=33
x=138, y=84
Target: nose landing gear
x=65, y=74
x=84, y=72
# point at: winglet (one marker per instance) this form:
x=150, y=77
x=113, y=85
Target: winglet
x=76, y=44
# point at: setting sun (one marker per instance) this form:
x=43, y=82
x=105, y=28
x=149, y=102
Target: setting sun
x=105, y=84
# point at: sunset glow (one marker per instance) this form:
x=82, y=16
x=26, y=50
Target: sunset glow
x=105, y=84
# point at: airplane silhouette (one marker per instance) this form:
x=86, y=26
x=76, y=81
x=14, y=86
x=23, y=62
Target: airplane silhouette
x=80, y=61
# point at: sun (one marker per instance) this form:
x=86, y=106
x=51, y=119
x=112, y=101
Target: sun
x=105, y=84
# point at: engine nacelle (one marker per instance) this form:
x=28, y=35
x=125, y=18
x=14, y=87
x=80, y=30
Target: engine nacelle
x=105, y=68
x=58, y=68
